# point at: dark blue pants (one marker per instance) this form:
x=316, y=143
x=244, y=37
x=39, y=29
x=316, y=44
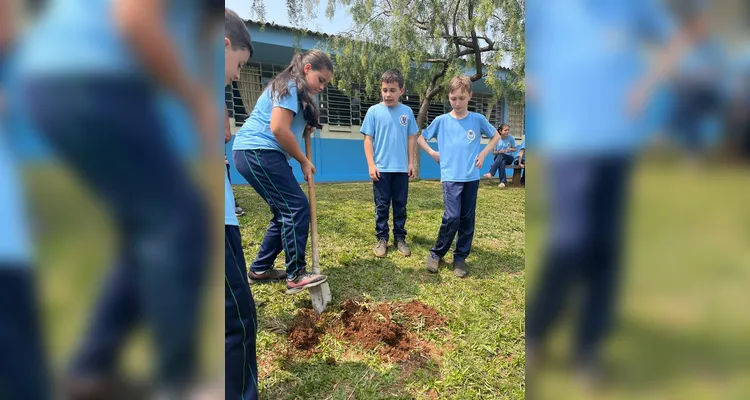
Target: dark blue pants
x=523, y=171
x=460, y=201
x=241, y=326
x=392, y=188
x=270, y=174
x=109, y=132
x=587, y=202
x=23, y=367
x=501, y=160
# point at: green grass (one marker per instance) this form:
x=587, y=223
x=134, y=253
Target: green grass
x=683, y=323
x=75, y=245
x=482, y=346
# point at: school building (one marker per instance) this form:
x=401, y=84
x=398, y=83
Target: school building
x=338, y=152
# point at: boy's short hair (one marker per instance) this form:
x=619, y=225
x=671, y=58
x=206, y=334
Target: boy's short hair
x=460, y=82
x=236, y=31
x=393, y=75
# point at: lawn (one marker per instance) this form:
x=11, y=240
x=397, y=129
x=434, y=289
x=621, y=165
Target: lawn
x=476, y=353
x=683, y=323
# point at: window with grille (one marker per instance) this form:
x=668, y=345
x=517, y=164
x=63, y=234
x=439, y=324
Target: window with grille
x=516, y=119
x=341, y=110
x=436, y=109
x=474, y=104
x=366, y=102
x=337, y=105
x=242, y=94
x=488, y=106
x=412, y=101
x=493, y=111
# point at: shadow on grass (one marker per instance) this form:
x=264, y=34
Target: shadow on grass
x=377, y=279
x=317, y=378
x=486, y=262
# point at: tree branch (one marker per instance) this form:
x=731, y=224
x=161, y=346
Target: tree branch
x=472, y=51
x=432, y=92
x=477, y=53
x=351, y=31
x=463, y=42
x=439, y=75
x=455, y=15
x=419, y=24
x=488, y=40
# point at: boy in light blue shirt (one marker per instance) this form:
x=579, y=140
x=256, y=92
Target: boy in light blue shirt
x=389, y=128
x=503, y=153
x=459, y=141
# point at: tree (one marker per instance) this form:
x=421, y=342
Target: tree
x=430, y=41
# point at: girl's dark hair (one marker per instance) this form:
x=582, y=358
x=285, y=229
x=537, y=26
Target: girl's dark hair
x=500, y=128
x=279, y=86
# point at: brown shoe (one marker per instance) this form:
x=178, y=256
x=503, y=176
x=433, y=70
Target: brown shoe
x=402, y=247
x=433, y=262
x=269, y=275
x=459, y=268
x=381, y=249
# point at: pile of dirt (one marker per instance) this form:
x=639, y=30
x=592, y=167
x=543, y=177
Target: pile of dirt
x=371, y=327
x=420, y=314
x=306, y=330
x=387, y=327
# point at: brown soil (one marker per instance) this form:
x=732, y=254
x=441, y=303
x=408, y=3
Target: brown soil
x=387, y=327
x=305, y=331
x=416, y=310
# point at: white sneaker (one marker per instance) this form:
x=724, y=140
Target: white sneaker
x=487, y=176
x=501, y=185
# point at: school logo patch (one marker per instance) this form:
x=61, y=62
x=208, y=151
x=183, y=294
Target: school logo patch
x=404, y=119
x=470, y=134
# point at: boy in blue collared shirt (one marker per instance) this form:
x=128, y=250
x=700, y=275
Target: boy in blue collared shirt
x=389, y=129
x=459, y=140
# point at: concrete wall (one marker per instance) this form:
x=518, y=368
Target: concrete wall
x=338, y=155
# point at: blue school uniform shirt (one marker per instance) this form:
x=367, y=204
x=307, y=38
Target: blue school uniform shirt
x=507, y=143
x=459, y=144
x=581, y=87
x=518, y=150
x=230, y=218
x=256, y=134
x=390, y=128
x=15, y=238
x=80, y=36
